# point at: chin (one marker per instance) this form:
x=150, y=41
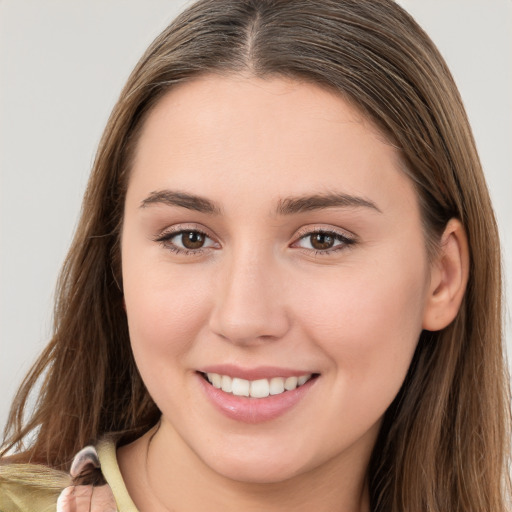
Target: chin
x=263, y=472
x=254, y=466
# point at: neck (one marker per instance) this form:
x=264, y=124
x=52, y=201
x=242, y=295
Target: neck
x=162, y=474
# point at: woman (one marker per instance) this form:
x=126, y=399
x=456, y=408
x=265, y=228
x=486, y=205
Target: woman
x=284, y=292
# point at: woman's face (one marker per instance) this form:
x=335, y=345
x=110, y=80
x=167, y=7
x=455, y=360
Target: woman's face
x=269, y=235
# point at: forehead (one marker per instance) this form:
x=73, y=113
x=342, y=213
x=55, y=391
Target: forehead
x=236, y=135
x=243, y=103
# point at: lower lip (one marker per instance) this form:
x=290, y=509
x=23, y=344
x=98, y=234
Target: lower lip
x=254, y=410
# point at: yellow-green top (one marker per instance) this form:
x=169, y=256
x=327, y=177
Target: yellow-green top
x=31, y=488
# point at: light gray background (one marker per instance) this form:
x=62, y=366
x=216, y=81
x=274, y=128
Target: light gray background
x=62, y=65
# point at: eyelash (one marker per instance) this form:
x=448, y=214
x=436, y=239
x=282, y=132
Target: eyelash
x=345, y=241
x=165, y=240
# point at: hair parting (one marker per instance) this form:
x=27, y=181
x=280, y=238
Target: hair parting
x=372, y=53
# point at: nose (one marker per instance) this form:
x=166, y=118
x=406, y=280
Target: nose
x=249, y=306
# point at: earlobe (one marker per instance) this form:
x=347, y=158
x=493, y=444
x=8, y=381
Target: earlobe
x=449, y=277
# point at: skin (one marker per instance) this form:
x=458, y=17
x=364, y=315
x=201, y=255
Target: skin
x=259, y=294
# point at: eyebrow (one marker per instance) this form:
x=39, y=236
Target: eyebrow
x=286, y=206
x=183, y=199
x=293, y=205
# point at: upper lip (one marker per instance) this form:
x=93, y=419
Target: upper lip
x=258, y=372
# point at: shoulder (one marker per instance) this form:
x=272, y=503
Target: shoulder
x=30, y=487
x=93, y=477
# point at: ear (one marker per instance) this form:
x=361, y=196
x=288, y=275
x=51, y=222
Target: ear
x=449, y=277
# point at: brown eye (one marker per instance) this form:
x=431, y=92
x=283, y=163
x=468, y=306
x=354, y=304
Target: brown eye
x=187, y=241
x=192, y=239
x=322, y=241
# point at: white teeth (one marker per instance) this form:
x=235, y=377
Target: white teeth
x=260, y=388
x=240, y=387
x=290, y=383
x=277, y=386
x=303, y=379
x=215, y=379
x=226, y=384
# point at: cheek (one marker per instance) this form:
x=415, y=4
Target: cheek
x=368, y=323
x=166, y=310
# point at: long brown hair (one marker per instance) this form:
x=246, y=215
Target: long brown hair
x=443, y=445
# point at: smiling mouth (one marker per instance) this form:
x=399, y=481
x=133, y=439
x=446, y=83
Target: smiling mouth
x=260, y=388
